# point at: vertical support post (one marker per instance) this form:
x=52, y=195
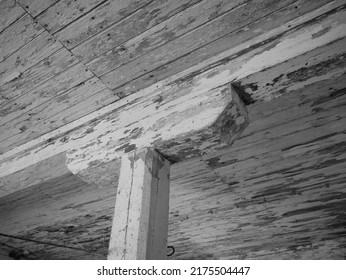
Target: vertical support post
x=140, y=223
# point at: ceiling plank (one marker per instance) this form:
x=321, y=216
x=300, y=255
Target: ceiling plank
x=36, y=50
x=64, y=12
x=64, y=108
x=277, y=46
x=53, y=87
x=286, y=182
x=323, y=63
x=235, y=63
x=153, y=58
x=97, y=20
x=17, y=35
x=170, y=20
x=299, y=121
x=41, y=72
x=10, y=11
x=278, y=24
x=36, y=7
x=312, y=205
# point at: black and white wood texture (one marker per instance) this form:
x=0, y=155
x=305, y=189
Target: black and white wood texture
x=72, y=73
x=140, y=222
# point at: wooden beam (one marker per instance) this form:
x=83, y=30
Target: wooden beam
x=283, y=35
x=140, y=223
x=181, y=121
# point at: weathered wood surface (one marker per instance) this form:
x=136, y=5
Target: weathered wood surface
x=47, y=116
x=163, y=119
x=10, y=11
x=26, y=57
x=162, y=26
x=233, y=46
x=17, y=35
x=46, y=69
x=44, y=92
x=98, y=19
x=290, y=46
x=323, y=63
x=241, y=53
x=149, y=58
x=140, y=222
x=277, y=193
x=64, y=12
x=37, y=6
x=70, y=198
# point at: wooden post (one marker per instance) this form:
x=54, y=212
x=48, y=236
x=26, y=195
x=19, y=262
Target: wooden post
x=140, y=223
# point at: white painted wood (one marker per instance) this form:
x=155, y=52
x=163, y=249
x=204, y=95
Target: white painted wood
x=53, y=19
x=196, y=106
x=291, y=45
x=10, y=11
x=150, y=31
x=233, y=70
x=97, y=20
x=36, y=7
x=17, y=35
x=29, y=55
x=140, y=223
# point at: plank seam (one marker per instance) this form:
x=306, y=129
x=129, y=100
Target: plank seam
x=181, y=36
x=101, y=3
x=96, y=34
x=23, y=15
x=223, y=60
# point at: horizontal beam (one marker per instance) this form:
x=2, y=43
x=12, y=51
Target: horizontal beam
x=282, y=36
x=91, y=140
x=180, y=121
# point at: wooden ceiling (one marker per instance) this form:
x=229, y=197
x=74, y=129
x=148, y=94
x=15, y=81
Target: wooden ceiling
x=64, y=63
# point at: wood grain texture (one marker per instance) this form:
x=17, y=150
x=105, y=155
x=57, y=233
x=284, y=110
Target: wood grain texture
x=26, y=57
x=140, y=222
x=323, y=63
x=67, y=107
x=169, y=20
x=240, y=60
x=235, y=44
x=274, y=47
x=151, y=57
x=64, y=12
x=178, y=129
x=41, y=72
x=97, y=20
x=17, y=35
x=51, y=88
x=10, y=11
x=36, y=7
x=196, y=126
x=277, y=193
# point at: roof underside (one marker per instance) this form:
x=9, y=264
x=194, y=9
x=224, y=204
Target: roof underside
x=282, y=181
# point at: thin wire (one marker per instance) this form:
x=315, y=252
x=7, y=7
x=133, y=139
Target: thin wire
x=44, y=243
